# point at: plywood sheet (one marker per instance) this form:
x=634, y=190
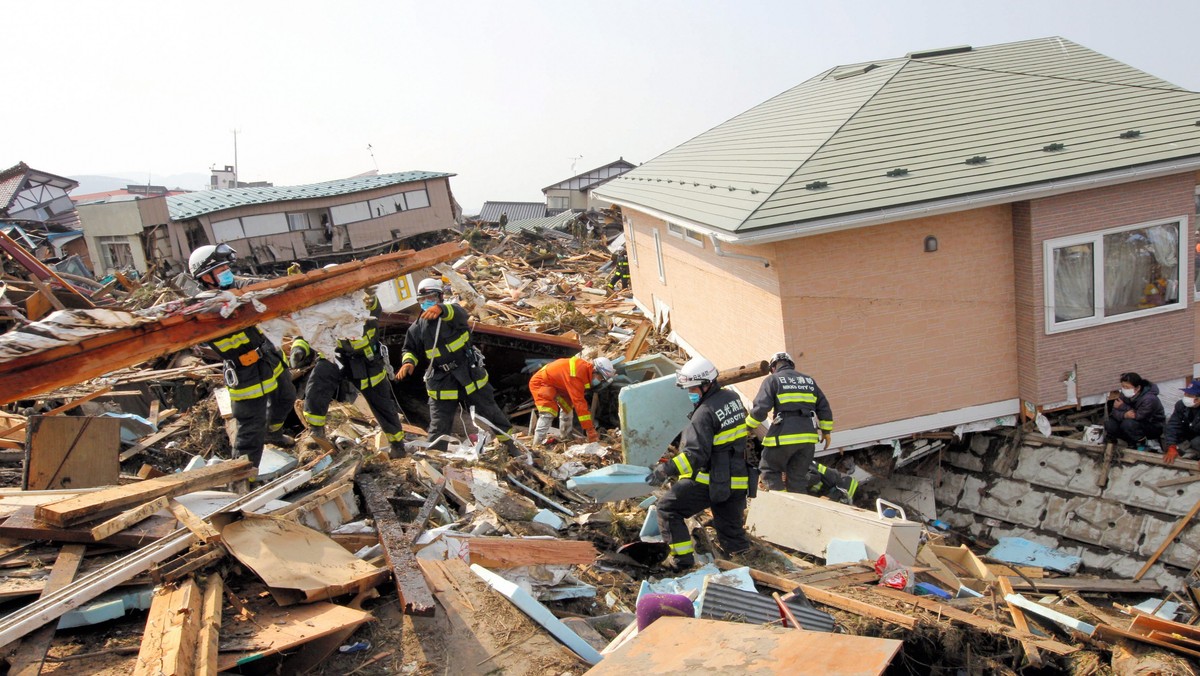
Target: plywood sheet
x=669, y=646
x=275, y=630
x=72, y=452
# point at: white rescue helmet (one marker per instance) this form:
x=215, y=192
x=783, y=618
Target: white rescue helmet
x=429, y=285
x=207, y=258
x=603, y=367
x=696, y=373
x=781, y=357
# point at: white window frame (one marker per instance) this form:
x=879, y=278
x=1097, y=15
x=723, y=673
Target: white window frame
x=686, y=234
x=631, y=249
x=658, y=252
x=1096, y=239
x=1195, y=276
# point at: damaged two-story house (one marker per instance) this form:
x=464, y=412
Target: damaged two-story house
x=947, y=238
x=329, y=222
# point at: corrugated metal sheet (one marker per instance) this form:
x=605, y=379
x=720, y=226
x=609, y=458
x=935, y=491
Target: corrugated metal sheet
x=547, y=223
x=193, y=204
x=721, y=602
x=516, y=211
x=926, y=115
x=590, y=179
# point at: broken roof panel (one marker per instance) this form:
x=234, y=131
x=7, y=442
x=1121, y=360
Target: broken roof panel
x=593, y=177
x=860, y=138
x=546, y=223
x=516, y=211
x=193, y=204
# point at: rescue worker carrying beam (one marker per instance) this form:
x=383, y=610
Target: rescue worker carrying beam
x=365, y=365
x=802, y=414
x=259, y=387
x=710, y=469
x=454, y=375
x=561, y=388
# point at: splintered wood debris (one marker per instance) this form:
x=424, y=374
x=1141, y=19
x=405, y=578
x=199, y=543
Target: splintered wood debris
x=354, y=563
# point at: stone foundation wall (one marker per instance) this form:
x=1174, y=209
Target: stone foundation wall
x=1049, y=495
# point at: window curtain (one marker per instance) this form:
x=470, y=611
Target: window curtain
x=1127, y=263
x=1164, y=244
x=1074, y=295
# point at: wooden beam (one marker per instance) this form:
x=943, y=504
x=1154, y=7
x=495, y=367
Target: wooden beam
x=826, y=597
x=172, y=630
x=163, y=432
x=1032, y=654
x=210, y=626
x=99, y=504
x=513, y=552
x=1107, y=586
x=126, y=519
x=415, y=597
x=65, y=407
x=46, y=370
x=1182, y=523
x=950, y=612
x=203, y=530
x=32, y=652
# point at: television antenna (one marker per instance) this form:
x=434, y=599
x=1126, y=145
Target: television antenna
x=573, y=161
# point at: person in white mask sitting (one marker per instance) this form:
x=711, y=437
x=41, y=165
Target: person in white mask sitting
x=1183, y=428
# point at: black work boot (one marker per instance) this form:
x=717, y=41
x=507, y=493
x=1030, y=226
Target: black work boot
x=280, y=439
x=510, y=447
x=680, y=564
x=396, y=450
x=317, y=432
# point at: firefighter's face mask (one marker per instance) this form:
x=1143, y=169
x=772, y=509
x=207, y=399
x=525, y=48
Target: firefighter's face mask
x=428, y=302
x=225, y=278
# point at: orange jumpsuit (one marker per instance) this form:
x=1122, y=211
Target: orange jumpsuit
x=564, y=383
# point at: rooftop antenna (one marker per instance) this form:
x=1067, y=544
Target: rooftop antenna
x=573, y=161
x=372, y=151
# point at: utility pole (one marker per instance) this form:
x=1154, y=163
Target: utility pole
x=235, y=167
x=373, y=161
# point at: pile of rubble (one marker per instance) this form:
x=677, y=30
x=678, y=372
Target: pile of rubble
x=133, y=543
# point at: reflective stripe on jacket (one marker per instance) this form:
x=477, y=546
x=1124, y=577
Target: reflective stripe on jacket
x=796, y=399
x=713, y=445
x=569, y=379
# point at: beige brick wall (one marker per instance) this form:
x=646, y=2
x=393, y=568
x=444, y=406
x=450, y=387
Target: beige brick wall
x=727, y=309
x=1159, y=347
x=891, y=332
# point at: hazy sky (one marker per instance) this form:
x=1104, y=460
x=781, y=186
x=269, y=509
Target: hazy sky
x=505, y=94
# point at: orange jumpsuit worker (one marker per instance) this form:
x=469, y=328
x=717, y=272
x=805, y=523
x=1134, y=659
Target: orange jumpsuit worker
x=561, y=387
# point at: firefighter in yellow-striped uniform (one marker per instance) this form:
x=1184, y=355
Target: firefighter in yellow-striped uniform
x=711, y=467
x=365, y=365
x=454, y=375
x=260, y=391
x=802, y=417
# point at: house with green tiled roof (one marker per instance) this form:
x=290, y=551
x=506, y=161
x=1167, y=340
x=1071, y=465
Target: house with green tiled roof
x=318, y=222
x=952, y=236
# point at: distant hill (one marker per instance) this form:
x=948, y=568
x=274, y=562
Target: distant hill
x=95, y=183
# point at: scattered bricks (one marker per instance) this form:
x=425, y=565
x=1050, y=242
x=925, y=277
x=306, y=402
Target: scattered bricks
x=1133, y=484
x=1060, y=469
x=1097, y=522
x=950, y=489
x=972, y=493
x=1013, y=501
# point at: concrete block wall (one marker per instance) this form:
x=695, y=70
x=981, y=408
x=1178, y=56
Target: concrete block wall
x=1049, y=496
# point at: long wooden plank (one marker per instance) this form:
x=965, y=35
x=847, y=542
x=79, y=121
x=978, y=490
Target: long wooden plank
x=957, y=615
x=1084, y=584
x=39, y=372
x=111, y=500
x=1018, y=617
x=415, y=597
x=128, y=518
x=65, y=407
x=277, y=630
x=29, y=656
x=826, y=597
x=22, y=525
x=162, y=433
x=513, y=552
x=172, y=629
x=210, y=626
x=1179, y=526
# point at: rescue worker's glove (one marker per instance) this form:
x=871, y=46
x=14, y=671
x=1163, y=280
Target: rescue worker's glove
x=432, y=313
x=298, y=359
x=593, y=435
x=406, y=370
x=1172, y=453
x=827, y=437
x=658, y=475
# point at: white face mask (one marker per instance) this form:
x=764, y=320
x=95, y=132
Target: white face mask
x=1128, y=391
x=1189, y=402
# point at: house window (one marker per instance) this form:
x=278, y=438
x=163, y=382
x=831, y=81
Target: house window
x=558, y=203
x=416, y=199
x=115, y=252
x=297, y=222
x=686, y=234
x=662, y=270
x=631, y=247
x=1113, y=275
x=1196, y=258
